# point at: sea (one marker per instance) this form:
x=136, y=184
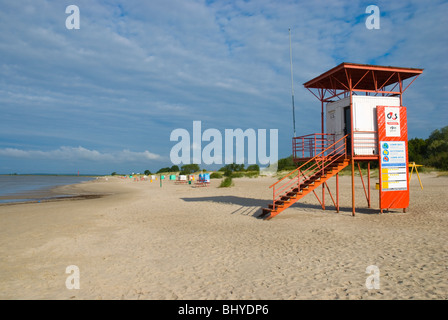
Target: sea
x=19, y=188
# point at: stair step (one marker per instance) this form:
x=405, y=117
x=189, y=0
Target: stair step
x=265, y=212
x=271, y=206
x=276, y=205
x=291, y=196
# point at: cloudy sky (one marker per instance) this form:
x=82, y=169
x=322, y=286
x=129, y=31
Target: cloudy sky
x=106, y=97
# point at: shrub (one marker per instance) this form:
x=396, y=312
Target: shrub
x=216, y=175
x=252, y=174
x=226, y=183
x=233, y=167
x=286, y=164
x=237, y=175
x=253, y=167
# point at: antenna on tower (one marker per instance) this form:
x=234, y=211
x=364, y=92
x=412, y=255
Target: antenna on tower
x=292, y=85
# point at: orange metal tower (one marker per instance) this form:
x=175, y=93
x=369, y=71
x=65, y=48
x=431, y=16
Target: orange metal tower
x=366, y=121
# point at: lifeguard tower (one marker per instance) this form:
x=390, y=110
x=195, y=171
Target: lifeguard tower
x=365, y=121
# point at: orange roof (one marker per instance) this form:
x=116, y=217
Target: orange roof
x=362, y=76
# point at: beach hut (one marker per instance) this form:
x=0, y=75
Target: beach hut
x=182, y=179
x=203, y=180
x=362, y=120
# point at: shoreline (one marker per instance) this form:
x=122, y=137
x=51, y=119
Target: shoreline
x=53, y=199
x=44, y=194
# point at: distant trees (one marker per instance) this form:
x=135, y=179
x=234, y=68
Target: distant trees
x=189, y=168
x=253, y=167
x=286, y=164
x=417, y=150
x=169, y=169
x=431, y=152
x=228, y=169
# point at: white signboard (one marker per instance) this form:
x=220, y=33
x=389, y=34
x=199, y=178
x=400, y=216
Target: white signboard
x=393, y=165
x=392, y=121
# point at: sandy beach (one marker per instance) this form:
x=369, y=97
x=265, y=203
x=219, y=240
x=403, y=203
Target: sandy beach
x=143, y=241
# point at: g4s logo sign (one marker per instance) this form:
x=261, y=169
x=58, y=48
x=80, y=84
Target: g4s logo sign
x=392, y=116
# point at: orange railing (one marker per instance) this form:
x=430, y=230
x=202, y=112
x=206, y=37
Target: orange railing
x=328, y=156
x=310, y=145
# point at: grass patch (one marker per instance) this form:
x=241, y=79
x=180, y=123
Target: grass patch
x=226, y=183
x=216, y=175
x=252, y=174
x=282, y=174
x=237, y=174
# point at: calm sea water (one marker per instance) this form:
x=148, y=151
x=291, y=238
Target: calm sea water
x=16, y=185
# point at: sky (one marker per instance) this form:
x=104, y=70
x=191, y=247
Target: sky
x=107, y=96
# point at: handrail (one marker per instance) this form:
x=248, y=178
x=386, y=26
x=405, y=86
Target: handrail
x=314, y=134
x=309, y=145
x=311, y=159
x=322, y=161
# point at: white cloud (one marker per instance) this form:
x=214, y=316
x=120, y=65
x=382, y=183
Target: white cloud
x=136, y=70
x=80, y=153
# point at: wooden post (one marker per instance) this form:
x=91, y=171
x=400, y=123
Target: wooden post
x=352, y=140
x=322, y=136
x=337, y=192
x=353, y=186
x=368, y=182
x=323, y=184
x=323, y=196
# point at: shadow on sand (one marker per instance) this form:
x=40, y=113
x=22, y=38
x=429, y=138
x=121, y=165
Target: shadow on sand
x=251, y=206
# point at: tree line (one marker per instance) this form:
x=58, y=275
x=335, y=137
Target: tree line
x=431, y=152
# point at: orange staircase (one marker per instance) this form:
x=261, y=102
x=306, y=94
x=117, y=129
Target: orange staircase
x=307, y=177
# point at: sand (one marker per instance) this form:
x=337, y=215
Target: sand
x=143, y=241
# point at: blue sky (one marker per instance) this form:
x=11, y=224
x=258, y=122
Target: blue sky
x=107, y=96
